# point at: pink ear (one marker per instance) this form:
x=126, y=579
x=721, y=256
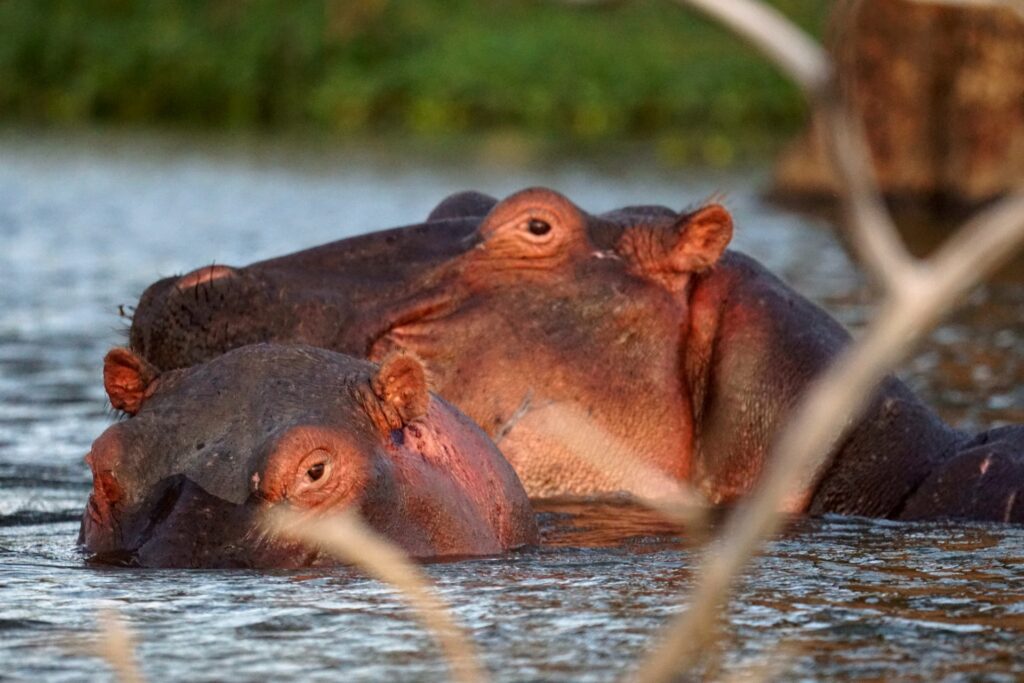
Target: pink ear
x=402, y=384
x=127, y=377
x=703, y=237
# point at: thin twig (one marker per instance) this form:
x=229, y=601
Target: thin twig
x=867, y=223
x=116, y=644
x=605, y=452
x=777, y=37
x=347, y=538
x=869, y=226
x=517, y=415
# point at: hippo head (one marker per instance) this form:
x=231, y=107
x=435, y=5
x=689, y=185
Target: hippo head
x=533, y=308
x=185, y=479
x=340, y=296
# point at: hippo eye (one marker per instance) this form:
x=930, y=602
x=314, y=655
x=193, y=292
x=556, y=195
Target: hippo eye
x=538, y=227
x=315, y=472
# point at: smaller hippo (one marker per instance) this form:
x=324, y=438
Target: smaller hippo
x=185, y=480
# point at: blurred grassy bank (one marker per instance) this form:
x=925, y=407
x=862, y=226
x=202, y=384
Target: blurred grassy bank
x=643, y=69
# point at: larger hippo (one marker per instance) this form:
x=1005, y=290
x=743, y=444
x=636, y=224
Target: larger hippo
x=639, y=320
x=184, y=482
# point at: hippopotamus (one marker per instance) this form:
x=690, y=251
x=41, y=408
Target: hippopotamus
x=640, y=320
x=186, y=480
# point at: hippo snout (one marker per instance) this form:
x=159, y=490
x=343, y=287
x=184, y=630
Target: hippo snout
x=106, y=494
x=183, y=525
x=137, y=520
x=99, y=523
x=187, y=526
x=182, y=321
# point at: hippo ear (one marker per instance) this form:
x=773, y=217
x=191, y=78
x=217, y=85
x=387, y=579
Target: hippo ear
x=468, y=204
x=670, y=254
x=702, y=237
x=401, y=384
x=128, y=379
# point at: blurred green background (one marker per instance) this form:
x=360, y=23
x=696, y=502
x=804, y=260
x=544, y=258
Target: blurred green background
x=588, y=73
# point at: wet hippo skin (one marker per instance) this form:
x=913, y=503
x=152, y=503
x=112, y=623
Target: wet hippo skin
x=529, y=310
x=184, y=481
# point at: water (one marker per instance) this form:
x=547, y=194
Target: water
x=86, y=222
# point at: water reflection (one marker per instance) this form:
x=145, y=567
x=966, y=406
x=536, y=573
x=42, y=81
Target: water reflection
x=606, y=524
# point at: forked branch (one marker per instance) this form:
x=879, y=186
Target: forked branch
x=917, y=295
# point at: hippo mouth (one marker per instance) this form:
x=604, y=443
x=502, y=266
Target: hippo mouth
x=425, y=310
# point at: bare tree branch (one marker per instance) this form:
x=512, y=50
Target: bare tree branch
x=830, y=406
x=918, y=294
x=869, y=227
x=867, y=223
x=777, y=37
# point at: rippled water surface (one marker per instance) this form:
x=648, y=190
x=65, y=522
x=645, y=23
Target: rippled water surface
x=87, y=223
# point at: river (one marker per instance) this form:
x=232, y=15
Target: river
x=88, y=220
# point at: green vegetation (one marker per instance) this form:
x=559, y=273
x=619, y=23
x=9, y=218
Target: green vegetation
x=435, y=67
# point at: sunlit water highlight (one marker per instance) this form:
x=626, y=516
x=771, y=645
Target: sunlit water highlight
x=87, y=223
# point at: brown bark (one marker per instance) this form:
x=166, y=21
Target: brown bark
x=941, y=92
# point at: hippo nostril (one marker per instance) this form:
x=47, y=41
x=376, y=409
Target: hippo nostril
x=107, y=487
x=202, y=276
x=96, y=513
x=106, y=493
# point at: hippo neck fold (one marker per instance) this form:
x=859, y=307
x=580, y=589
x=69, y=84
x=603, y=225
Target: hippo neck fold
x=755, y=345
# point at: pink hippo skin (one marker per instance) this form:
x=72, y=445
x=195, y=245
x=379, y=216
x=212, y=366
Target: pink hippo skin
x=184, y=480
x=637, y=324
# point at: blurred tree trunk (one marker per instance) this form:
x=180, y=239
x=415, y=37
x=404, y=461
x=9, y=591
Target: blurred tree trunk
x=941, y=92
